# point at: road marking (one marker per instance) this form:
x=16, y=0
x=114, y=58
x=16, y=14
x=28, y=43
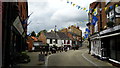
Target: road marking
x=89, y=60
x=46, y=61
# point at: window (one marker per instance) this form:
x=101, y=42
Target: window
x=112, y=48
x=56, y=41
x=118, y=48
x=50, y=41
x=64, y=42
x=96, y=27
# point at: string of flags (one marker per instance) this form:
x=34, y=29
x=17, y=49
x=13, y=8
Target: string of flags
x=78, y=7
x=88, y=10
x=87, y=33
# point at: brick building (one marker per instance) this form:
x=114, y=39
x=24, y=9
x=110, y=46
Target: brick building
x=75, y=34
x=104, y=35
x=13, y=31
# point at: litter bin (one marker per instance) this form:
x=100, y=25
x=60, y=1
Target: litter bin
x=42, y=57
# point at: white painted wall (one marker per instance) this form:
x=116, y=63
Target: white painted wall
x=48, y=41
x=96, y=47
x=60, y=42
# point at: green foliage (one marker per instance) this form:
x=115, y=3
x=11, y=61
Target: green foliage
x=44, y=31
x=33, y=34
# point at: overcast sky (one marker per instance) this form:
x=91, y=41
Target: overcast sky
x=48, y=13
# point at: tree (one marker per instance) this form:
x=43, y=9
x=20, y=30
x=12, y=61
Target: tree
x=33, y=33
x=44, y=31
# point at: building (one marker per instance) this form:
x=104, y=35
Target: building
x=75, y=34
x=105, y=36
x=13, y=31
x=59, y=39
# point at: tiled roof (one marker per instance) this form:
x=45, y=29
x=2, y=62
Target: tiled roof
x=51, y=35
x=73, y=34
x=34, y=38
x=57, y=35
x=62, y=36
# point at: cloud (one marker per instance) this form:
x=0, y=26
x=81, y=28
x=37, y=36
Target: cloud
x=47, y=14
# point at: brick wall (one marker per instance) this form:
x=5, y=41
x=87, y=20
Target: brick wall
x=42, y=38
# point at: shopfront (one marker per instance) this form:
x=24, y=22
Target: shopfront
x=110, y=44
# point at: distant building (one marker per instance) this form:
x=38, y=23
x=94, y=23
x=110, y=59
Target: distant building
x=59, y=39
x=75, y=34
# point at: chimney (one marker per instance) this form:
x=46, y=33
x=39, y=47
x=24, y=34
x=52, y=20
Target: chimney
x=77, y=27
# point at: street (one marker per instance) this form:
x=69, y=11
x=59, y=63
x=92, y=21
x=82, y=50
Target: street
x=70, y=58
x=75, y=58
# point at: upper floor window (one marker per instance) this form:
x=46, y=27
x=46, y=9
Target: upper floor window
x=96, y=27
x=50, y=41
x=56, y=41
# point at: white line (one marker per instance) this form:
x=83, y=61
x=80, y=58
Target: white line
x=89, y=60
x=46, y=61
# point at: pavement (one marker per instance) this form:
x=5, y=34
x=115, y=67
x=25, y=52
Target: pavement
x=34, y=56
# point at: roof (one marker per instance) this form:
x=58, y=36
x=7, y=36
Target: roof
x=73, y=34
x=57, y=35
x=34, y=38
x=51, y=35
x=62, y=36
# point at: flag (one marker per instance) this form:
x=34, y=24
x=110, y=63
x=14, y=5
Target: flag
x=105, y=8
x=67, y=1
x=80, y=22
x=84, y=8
x=86, y=36
x=95, y=9
x=87, y=30
x=111, y=7
x=94, y=20
x=78, y=7
x=73, y=4
x=90, y=9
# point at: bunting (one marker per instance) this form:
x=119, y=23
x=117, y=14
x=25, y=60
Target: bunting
x=88, y=10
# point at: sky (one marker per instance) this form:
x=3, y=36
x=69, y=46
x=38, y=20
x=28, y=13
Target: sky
x=48, y=13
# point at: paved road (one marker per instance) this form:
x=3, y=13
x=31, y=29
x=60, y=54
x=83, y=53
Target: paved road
x=74, y=58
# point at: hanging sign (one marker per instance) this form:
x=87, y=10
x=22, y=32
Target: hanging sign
x=17, y=24
x=117, y=9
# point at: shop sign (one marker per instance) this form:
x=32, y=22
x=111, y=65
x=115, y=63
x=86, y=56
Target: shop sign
x=117, y=9
x=17, y=24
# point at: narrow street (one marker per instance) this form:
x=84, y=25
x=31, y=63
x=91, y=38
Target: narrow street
x=75, y=58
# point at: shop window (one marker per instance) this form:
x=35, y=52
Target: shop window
x=64, y=41
x=118, y=48
x=112, y=48
x=96, y=27
x=56, y=41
